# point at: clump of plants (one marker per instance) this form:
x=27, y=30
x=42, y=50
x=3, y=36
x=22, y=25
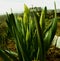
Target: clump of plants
x=31, y=36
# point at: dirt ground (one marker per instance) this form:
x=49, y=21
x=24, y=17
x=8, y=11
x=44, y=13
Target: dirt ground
x=58, y=29
x=53, y=54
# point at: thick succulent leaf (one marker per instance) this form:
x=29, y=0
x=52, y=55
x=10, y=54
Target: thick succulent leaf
x=26, y=14
x=26, y=9
x=12, y=55
x=42, y=19
x=4, y=56
x=47, y=40
x=48, y=27
x=27, y=35
x=55, y=9
x=18, y=25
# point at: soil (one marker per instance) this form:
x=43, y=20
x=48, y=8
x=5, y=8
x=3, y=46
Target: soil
x=58, y=29
x=53, y=54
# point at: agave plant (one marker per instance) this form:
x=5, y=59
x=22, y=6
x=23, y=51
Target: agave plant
x=31, y=36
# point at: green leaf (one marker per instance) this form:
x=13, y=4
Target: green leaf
x=26, y=14
x=42, y=20
x=4, y=56
x=40, y=38
x=12, y=55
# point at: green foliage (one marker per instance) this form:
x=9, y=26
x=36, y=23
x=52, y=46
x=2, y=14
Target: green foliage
x=31, y=37
x=5, y=57
x=45, y=12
